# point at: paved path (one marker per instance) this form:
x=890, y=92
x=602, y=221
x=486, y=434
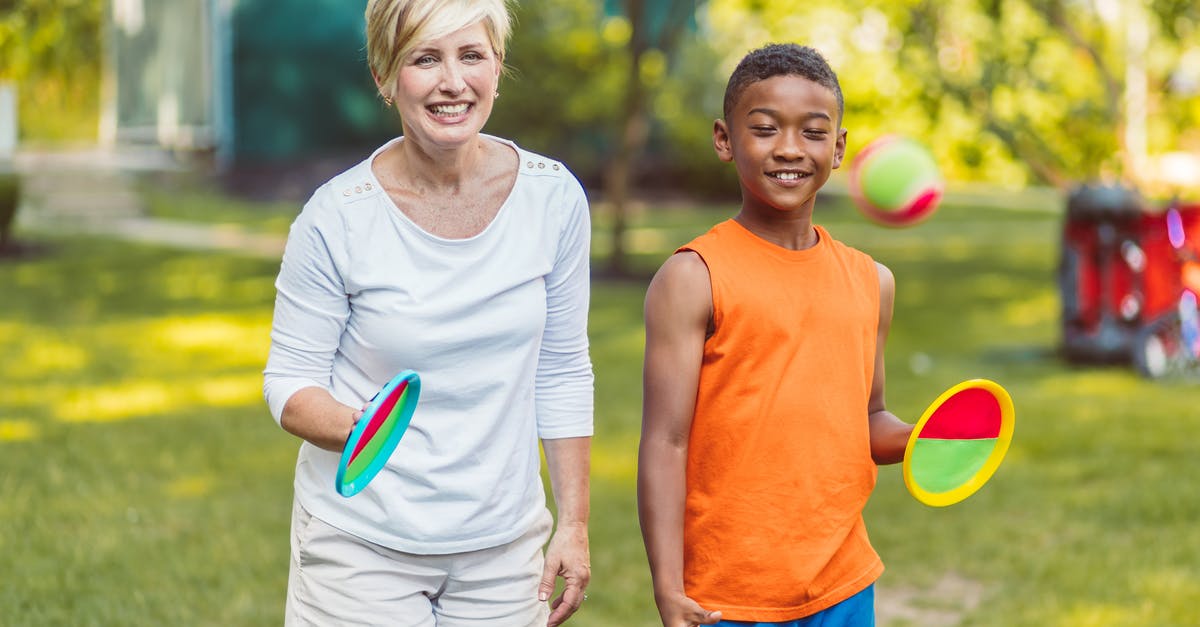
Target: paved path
x=194, y=236
x=93, y=191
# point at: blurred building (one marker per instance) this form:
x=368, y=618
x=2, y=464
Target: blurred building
x=246, y=81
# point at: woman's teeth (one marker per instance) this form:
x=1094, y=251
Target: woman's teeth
x=449, y=109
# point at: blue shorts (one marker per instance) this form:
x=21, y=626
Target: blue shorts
x=857, y=611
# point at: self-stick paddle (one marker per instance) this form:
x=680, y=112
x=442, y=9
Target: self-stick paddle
x=958, y=443
x=377, y=433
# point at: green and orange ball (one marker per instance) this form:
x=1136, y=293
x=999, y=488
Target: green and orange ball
x=895, y=181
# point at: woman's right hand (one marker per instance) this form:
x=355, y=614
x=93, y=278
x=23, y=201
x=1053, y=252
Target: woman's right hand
x=678, y=610
x=314, y=415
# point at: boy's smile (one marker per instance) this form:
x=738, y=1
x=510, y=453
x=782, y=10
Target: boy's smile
x=783, y=136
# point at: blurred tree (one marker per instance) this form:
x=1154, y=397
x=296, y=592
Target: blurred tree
x=1006, y=91
x=562, y=79
x=654, y=31
x=598, y=82
x=51, y=49
x=1072, y=87
x=10, y=196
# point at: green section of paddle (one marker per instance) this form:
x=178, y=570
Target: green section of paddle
x=368, y=453
x=943, y=465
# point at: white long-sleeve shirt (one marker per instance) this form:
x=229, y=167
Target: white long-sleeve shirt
x=495, y=325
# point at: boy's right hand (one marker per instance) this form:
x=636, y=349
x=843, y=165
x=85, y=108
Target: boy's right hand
x=681, y=611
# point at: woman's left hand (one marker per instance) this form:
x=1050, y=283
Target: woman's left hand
x=567, y=557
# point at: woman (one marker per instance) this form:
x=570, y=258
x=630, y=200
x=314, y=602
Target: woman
x=465, y=258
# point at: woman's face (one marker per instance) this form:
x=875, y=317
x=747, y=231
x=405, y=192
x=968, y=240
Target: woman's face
x=446, y=87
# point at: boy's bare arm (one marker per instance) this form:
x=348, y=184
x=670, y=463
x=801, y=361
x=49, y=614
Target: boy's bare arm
x=678, y=310
x=889, y=434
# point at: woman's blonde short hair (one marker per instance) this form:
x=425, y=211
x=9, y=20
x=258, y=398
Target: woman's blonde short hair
x=396, y=27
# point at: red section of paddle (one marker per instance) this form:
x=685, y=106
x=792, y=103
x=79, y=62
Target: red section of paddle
x=377, y=420
x=970, y=414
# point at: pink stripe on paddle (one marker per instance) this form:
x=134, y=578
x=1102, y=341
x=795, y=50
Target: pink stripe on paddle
x=377, y=420
x=970, y=414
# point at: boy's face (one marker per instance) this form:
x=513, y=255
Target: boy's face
x=783, y=137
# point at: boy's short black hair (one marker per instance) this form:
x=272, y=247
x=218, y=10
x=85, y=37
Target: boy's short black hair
x=781, y=60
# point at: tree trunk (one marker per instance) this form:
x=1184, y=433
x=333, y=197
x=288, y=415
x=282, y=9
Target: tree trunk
x=10, y=199
x=634, y=131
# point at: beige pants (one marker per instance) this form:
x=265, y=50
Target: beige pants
x=339, y=579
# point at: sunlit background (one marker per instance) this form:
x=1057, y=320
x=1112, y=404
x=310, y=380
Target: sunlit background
x=154, y=152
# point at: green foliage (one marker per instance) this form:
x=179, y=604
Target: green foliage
x=1004, y=91
x=52, y=50
x=49, y=36
x=1007, y=91
x=567, y=89
x=685, y=106
x=565, y=83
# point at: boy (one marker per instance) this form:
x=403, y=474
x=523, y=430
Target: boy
x=764, y=414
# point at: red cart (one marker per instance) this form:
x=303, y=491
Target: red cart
x=1122, y=282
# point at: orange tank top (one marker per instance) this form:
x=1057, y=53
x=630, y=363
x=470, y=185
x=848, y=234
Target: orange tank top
x=779, y=464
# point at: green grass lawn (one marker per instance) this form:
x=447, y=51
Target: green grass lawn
x=192, y=201
x=144, y=482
